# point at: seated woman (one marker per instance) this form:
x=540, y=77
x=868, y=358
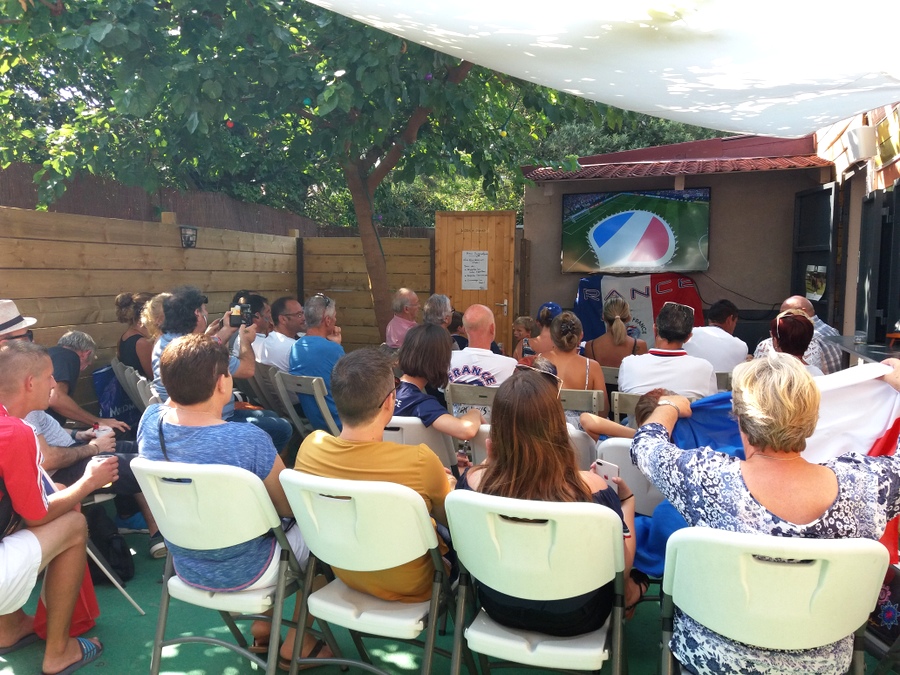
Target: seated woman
x=135, y=346
x=773, y=491
x=528, y=430
x=791, y=333
x=576, y=372
x=615, y=344
x=425, y=360
x=190, y=429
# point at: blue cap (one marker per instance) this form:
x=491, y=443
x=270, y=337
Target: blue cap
x=554, y=309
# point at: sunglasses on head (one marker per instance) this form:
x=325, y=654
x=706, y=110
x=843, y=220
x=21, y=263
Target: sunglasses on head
x=556, y=379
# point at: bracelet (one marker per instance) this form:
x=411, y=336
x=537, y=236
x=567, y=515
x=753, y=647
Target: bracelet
x=674, y=405
x=74, y=434
x=216, y=339
x=625, y=499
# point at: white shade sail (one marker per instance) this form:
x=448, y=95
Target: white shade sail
x=780, y=68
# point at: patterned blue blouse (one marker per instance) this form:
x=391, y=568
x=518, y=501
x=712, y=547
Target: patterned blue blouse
x=707, y=488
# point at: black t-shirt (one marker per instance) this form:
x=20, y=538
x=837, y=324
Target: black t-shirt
x=66, y=368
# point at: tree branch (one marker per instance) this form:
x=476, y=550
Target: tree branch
x=408, y=136
x=305, y=114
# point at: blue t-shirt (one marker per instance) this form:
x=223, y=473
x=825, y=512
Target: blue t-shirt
x=242, y=445
x=314, y=356
x=413, y=402
x=157, y=384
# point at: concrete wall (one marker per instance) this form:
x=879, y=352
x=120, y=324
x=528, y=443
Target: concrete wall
x=750, y=237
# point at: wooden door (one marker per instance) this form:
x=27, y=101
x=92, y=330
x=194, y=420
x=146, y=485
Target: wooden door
x=474, y=256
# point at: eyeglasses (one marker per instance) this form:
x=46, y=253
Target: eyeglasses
x=27, y=335
x=557, y=380
x=787, y=313
x=293, y=314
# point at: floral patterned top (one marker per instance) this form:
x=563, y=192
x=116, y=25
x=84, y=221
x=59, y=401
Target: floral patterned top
x=708, y=489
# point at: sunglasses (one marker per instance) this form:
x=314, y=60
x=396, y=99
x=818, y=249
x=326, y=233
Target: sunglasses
x=397, y=383
x=325, y=298
x=786, y=313
x=556, y=379
x=27, y=335
x=687, y=309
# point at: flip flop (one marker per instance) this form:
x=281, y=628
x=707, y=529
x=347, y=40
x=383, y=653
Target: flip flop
x=259, y=647
x=643, y=581
x=285, y=664
x=23, y=642
x=89, y=652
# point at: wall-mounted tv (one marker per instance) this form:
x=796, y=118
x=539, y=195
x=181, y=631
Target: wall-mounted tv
x=639, y=231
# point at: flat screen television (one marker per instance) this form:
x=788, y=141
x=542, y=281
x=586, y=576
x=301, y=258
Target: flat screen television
x=639, y=231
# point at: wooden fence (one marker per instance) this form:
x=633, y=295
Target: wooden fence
x=66, y=270
x=336, y=267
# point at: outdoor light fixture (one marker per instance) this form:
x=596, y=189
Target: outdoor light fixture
x=188, y=237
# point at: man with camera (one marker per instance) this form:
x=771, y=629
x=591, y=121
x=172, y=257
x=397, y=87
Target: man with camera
x=185, y=312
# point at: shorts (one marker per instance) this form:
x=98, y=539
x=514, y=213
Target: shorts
x=20, y=562
x=301, y=552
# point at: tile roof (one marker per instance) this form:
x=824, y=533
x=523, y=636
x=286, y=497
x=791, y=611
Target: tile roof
x=681, y=167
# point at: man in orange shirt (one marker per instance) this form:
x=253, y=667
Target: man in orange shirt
x=362, y=385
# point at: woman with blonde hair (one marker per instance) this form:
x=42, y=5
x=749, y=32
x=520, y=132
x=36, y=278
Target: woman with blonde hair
x=530, y=457
x=614, y=345
x=152, y=316
x=135, y=347
x=773, y=490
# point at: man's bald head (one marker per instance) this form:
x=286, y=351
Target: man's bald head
x=799, y=302
x=479, y=323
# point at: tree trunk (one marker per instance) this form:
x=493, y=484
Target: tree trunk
x=371, y=245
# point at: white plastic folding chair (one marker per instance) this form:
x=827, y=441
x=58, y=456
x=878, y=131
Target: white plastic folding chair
x=618, y=452
x=367, y=526
x=288, y=384
x=536, y=551
x=610, y=375
x=784, y=593
x=723, y=381
x=469, y=395
x=213, y=506
x=478, y=445
x=585, y=448
x=623, y=405
x=411, y=431
x=590, y=400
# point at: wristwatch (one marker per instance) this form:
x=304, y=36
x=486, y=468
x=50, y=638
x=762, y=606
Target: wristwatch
x=663, y=401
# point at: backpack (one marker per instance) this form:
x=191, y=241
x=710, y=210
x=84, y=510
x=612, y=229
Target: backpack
x=105, y=537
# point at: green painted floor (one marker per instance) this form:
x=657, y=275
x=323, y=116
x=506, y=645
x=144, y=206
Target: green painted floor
x=127, y=637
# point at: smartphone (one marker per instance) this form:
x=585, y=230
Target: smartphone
x=608, y=471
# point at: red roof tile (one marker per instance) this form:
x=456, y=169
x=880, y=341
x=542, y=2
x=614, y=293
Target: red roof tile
x=685, y=167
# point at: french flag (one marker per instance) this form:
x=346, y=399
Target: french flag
x=858, y=413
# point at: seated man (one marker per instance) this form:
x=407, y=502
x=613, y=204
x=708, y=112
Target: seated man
x=716, y=342
x=68, y=454
x=667, y=365
x=73, y=354
x=363, y=388
x=821, y=353
x=39, y=531
x=262, y=319
x=290, y=324
x=315, y=354
x=405, y=306
x=185, y=313
x=191, y=429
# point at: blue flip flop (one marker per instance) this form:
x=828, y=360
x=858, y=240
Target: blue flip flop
x=89, y=652
x=23, y=642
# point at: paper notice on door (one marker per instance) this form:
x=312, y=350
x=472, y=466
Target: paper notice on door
x=474, y=270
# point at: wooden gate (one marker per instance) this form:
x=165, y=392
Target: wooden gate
x=474, y=260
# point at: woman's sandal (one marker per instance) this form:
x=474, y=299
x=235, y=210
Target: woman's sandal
x=259, y=647
x=643, y=581
x=285, y=664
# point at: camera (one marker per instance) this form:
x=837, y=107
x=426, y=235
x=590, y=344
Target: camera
x=240, y=315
